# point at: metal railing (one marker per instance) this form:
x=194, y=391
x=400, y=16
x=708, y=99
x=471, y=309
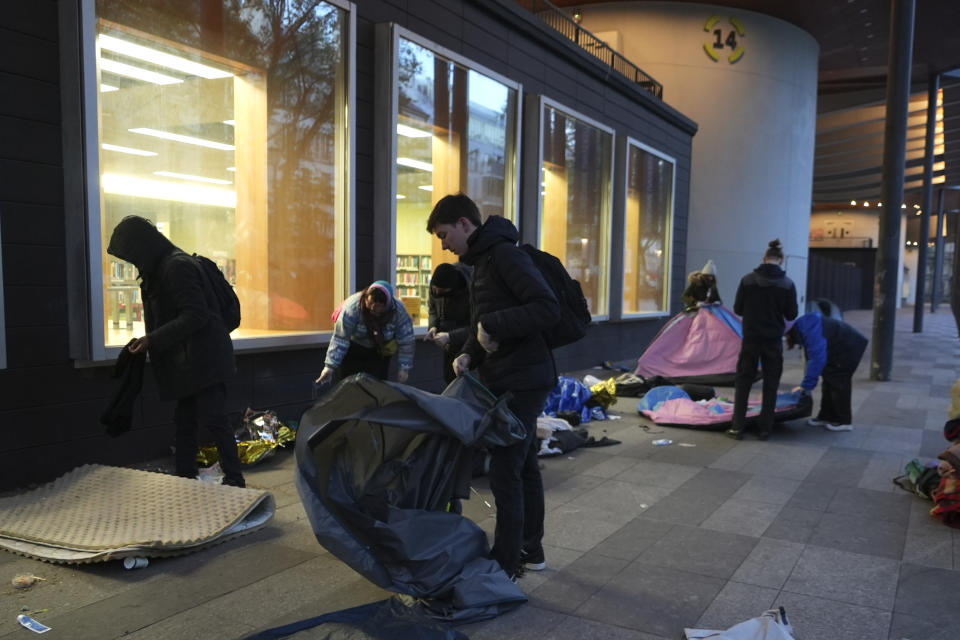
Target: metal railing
x=560, y=21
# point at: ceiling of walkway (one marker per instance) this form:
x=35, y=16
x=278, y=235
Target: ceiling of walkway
x=854, y=38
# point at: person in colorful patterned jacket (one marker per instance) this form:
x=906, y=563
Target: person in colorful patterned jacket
x=832, y=350
x=371, y=326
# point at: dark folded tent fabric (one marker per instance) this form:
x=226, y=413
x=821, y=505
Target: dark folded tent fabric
x=118, y=415
x=388, y=619
x=377, y=464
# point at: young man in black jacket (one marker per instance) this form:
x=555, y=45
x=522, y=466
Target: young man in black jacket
x=190, y=348
x=510, y=306
x=765, y=298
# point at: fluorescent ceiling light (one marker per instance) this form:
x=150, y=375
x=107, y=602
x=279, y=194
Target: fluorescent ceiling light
x=232, y=123
x=130, y=150
x=159, y=58
x=400, y=196
x=176, y=137
x=426, y=187
x=107, y=88
x=410, y=132
x=415, y=164
x=231, y=168
x=130, y=71
x=122, y=185
x=187, y=176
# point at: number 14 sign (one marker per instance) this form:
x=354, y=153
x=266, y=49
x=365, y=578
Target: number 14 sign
x=715, y=47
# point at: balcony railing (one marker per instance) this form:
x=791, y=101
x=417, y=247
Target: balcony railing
x=556, y=18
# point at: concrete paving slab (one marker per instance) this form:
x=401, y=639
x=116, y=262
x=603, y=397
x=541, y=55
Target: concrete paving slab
x=700, y=551
x=652, y=599
x=735, y=603
x=845, y=577
x=823, y=619
x=577, y=582
x=770, y=563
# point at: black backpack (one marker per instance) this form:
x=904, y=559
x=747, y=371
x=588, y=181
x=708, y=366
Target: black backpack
x=227, y=300
x=574, y=311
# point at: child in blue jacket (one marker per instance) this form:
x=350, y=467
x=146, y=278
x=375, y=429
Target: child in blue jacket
x=832, y=350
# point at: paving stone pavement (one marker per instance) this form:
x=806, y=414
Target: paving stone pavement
x=641, y=541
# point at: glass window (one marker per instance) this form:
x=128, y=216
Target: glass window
x=3, y=325
x=649, y=219
x=575, y=200
x=456, y=132
x=225, y=123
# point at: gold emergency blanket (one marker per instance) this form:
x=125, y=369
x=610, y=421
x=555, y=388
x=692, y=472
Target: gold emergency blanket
x=605, y=392
x=250, y=451
x=97, y=513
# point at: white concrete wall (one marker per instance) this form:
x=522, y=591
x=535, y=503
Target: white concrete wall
x=752, y=170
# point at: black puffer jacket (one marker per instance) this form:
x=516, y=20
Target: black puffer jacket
x=765, y=297
x=509, y=296
x=190, y=348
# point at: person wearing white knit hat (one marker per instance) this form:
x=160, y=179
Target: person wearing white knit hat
x=702, y=287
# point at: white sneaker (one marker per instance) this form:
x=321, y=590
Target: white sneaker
x=817, y=422
x=833, y=426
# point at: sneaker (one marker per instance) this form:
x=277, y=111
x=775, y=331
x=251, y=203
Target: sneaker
x=736, y=434
x=817, y=422
x=533, y=561
x=836, y=426
x=513, y=576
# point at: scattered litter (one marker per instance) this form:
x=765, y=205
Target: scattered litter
x=489, y=506
x=591, y=380
x=610, y=417
x=570, y=458
x=32, y=624
x=135, y=563
x=644, y=506
x=212, y=474
x=662, y=443
x=25, y=581
x=685, y=444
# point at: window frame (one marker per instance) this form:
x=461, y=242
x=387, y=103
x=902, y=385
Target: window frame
x=3, y=316
x=385, y=137
x=542, y=103
x=668, y=242
x=88, y=344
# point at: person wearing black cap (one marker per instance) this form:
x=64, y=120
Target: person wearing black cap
x=449, y=307
x=190, y=348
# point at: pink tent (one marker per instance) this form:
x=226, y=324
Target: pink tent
x=699, y=347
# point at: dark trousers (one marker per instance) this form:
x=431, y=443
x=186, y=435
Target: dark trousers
x=360, y=359
x=517, y=486
x=206, y=408
x=835, y=399
x=770, y=356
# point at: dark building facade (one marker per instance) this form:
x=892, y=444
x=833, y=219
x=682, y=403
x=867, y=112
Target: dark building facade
x=427, y=98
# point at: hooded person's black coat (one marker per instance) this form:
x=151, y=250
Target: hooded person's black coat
x=764, y=298
x=189, y=346
x=513, y=302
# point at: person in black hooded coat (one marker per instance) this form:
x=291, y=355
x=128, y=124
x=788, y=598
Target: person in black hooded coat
x=766, y=298
x=190, y=348
x=510, y=306
x=449, y=306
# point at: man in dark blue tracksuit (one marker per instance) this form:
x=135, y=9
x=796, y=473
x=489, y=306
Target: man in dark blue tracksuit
x=832, y=349
x=765, y=298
